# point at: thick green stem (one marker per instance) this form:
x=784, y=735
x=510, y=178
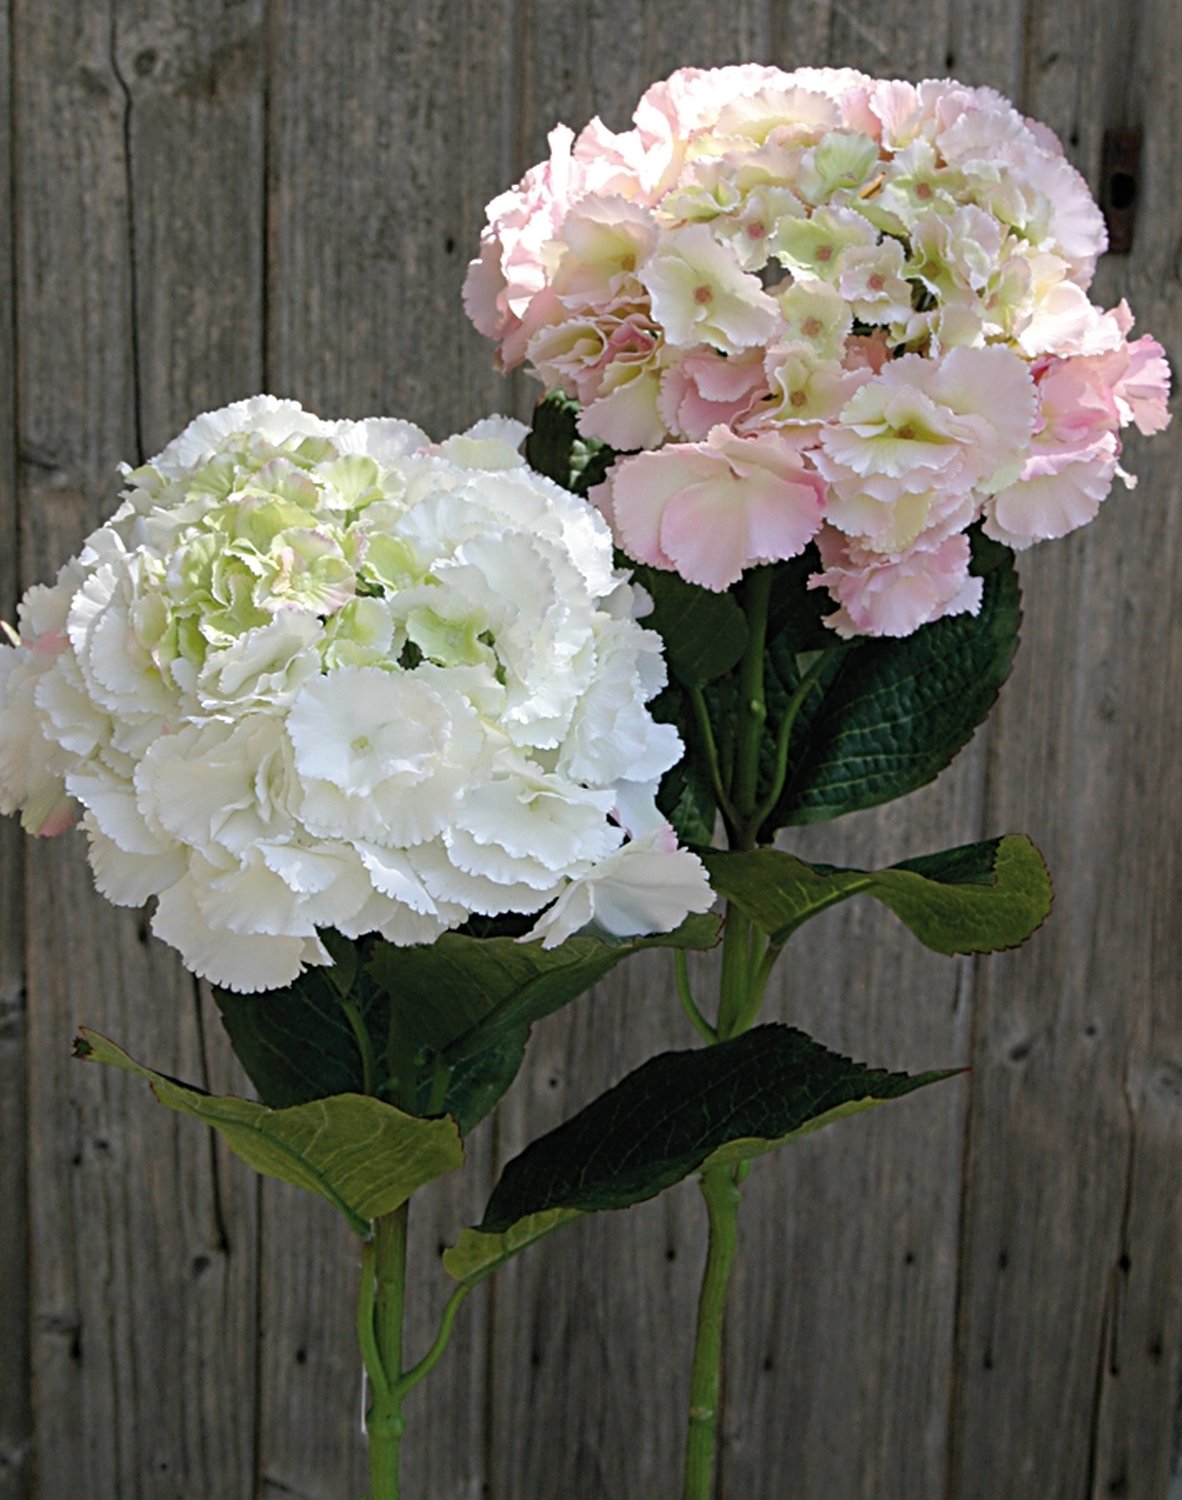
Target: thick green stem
x=721, y=1193
x=752, y=704
x=385, y=1301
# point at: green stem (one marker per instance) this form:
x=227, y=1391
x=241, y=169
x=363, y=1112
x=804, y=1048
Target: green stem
x=369, y=1064
x=783, y=740
x=739, y=940
x=710, y=750
x=752, y=703
x=697, y=1020
x=385, y=1301
x=721, y=1193
x=434, y=1354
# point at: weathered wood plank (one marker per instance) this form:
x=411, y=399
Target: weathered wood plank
x=844, y=1302
x=846, y=1382
x=593, y=1331
x=382, y=157
x=1069, y=1331
x=15, y=1415
x=143, y=1268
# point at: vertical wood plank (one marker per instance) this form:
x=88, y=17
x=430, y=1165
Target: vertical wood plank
x=593, y=1331
x=143, y=1264
x=844, y=1301
x=1069, y=1334
x=389, y=131
x=14, y=1224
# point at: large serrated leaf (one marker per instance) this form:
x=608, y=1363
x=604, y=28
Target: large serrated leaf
x=978, y=898
x=676, y=1114
x=893, y=713
x=447, y=1022
x=365, y=1157
x=465, y=994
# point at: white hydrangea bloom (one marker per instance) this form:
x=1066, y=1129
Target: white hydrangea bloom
x=324, y=675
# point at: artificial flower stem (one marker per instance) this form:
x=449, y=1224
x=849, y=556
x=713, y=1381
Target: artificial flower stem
x=721, y=1193
x=383, y=1421
x=710, y=750
x=757, y=602
x=783, y=741
x=369, y=1063
x=738, y=936
x=435, y=1352
x=697, y=1020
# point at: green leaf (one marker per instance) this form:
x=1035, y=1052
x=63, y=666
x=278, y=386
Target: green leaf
x=447, y=1022
x=476, y=1254
x=704, y=633
x=979, y=898
x=556, y=448
x=365, y=1157
x=461, y=994
x=892, y=713
x=296, y=1043
x=678, y=1113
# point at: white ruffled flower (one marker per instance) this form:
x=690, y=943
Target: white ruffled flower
x=324, y=675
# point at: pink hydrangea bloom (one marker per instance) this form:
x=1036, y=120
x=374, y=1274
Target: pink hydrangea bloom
x=868, y=294
x=881, y=594
x=709, y=510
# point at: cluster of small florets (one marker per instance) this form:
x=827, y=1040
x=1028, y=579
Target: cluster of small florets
x=830, y=308
x=324, y=675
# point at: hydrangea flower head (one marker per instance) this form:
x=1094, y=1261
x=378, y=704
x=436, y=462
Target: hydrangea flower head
x=879, y=289
x=326, y=675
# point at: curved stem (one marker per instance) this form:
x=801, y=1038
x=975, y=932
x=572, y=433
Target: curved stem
x=697, y=1020
x=721, y=1193
x=710, y=749
x=783, y=740
x=435, y=1352
x=369, y=1065
x=366, y=1332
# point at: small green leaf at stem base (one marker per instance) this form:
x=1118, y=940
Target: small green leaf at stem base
x=365, y=1157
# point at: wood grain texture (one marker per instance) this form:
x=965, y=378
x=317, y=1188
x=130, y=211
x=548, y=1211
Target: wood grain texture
x=15, y=1410
x=388, y=132
x=1068, y=1363
x=611, y=1409
x=143, y=1276
x=974, y=1293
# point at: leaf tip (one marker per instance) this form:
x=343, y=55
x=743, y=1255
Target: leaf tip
x=83, y=1046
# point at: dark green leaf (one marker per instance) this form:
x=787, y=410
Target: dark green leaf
x=979, y=898
x=704, y=633
x=461, y=995
x=365, y=1157
x=447, y=1022
x=555, y=447
x=686, y=795
x=893, y=713
x=676, y=1114
x=296, y=1044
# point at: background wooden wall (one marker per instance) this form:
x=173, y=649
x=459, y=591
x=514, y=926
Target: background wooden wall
x=974, y=1295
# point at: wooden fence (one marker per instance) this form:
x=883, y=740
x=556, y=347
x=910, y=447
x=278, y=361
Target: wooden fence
x=975, y=1294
